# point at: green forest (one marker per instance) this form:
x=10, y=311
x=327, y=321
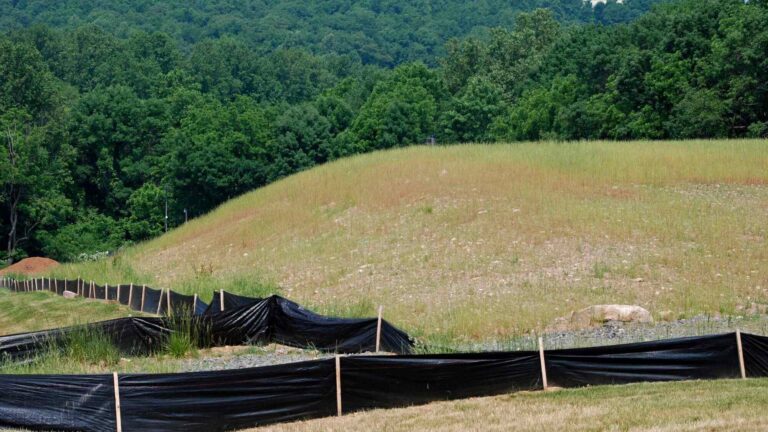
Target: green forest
x=112, y=112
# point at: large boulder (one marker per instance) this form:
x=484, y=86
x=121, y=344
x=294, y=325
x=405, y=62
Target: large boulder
x=601, y=314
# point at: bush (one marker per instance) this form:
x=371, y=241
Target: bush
x=89, y=235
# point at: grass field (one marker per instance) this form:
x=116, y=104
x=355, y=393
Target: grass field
x=728, y=405
x=485, y=241
x=32, y=311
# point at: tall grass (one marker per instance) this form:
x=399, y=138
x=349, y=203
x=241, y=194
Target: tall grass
x=81, y=350
x=187, y=334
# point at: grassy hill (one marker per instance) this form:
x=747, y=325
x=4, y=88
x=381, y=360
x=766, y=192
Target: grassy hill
x=485, y=241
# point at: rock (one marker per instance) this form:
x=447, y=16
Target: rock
x=600, y=314
x=69, y=294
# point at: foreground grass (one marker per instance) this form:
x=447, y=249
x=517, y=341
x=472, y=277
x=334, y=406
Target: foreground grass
x=726, y=405
x=485, y=241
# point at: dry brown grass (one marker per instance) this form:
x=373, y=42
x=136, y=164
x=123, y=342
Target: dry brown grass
x=484, y=241
x=671, y=407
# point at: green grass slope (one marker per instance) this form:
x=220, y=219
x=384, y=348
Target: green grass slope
x=485, y=241
x=32, y=311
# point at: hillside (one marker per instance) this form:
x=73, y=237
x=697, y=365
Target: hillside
x=481, y=241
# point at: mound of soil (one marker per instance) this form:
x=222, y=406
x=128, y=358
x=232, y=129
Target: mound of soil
x=30, y=266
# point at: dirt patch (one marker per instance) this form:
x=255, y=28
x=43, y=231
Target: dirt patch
x=30, y=266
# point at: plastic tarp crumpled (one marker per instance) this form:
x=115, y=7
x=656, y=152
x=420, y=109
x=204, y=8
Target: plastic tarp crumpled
x=273, y=319
x=279, y=320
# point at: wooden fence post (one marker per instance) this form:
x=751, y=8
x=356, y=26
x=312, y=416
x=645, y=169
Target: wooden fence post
x=378, y=331
x=118, y=416
x=194, y=304
x=543, y=364
x=741, y=355
x=338, y=385
x=106, y=291
x=130, y=295
x=168, y=296
x=160, y=301
x=221, y=300
x=118, y=293
x=143, y=294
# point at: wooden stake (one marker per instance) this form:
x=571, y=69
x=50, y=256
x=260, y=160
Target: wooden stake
x=338, y=386
x=159, y=302
x=543, y=364
x=168, y=296
x=56, y=286
x=378, y=331
x=106, y=291
x=130, y=295
x=143, y=294
x=741, y=355
x=118, y=293
x=221, y=300
x=194, y=304
x=118, y=416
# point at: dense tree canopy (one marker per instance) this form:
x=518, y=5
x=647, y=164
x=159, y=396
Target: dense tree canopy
x=381, y=32
x=111, y=111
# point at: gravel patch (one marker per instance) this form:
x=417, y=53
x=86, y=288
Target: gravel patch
x=248, y=357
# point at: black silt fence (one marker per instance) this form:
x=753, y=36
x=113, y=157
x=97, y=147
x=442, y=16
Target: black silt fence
x=234, y=399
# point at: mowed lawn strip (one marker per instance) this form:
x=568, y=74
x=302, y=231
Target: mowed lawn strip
x=33, y=311
x=726, y=405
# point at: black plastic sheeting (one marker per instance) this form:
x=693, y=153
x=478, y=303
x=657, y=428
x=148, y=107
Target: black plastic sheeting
x=244, y=320
x=231, y=301
x=706, y=357
x=273, y=319
x=395, y=381
x=234, y=399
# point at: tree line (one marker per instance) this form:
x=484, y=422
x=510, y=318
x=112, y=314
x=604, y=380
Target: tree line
x=102, y=130
x=381, y=32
